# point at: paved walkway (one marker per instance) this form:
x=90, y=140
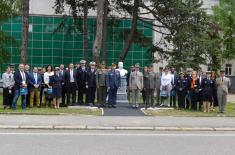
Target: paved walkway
x=123, y=109
x=231, y=98
x=118, y=121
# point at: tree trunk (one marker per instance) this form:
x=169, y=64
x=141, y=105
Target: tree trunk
x=131, y=35
x=99, y=31
x=25, y=29
x=85, y=29
x=105, y=31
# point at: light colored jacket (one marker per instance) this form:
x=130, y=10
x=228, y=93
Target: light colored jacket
x=8, y=80
x=136, y=80
x=222, y=86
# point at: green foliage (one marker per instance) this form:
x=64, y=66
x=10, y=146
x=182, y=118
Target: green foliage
x=224, y=16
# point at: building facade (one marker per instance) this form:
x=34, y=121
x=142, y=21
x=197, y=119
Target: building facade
x=50, y=44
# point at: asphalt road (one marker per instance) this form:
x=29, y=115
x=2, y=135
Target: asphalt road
x=36, y=142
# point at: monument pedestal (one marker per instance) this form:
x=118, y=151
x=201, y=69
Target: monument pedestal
x=121, y=93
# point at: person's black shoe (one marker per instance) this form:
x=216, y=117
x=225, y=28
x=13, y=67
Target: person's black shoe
x=113, y=106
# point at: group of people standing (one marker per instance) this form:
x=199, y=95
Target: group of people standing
x=193, y=90
x=75, y=85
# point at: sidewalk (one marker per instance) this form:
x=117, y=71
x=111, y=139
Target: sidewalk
x=117, y=123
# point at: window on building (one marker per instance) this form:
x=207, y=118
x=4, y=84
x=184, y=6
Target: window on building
x=228, y=69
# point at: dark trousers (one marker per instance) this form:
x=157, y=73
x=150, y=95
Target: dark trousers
x=193, y=95
x=28, y=99
x=112, y=97
x=7, y=97
x=188, y=100
x=63, y=95
x=101, y=94
x=200, y=99
x=181, y=99
x=144, y=96
x=173, y=99
x=149, y=96
x=91, y=95
x=215, y=98
x=41, y=94
x=81, y=91
x=71, y=90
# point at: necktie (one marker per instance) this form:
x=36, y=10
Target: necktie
x=35, y=77
x=222, y=78
x=23, y=76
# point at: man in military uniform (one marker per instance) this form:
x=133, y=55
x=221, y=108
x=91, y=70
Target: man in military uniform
x=181, y=87
x=113, y=82
x=158, y=84
x=101, y=75
x=136, y=85
x=82, y=82
x=149, y=86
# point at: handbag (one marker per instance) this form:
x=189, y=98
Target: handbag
x=23, y=91
x=163, y=93
x=49, y=91
x=173, y=93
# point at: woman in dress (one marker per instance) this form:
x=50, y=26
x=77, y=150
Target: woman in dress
x=56, y=82
x=8, y=85
x=48, y=93
x=207, y=86
x=193, y=90
x=166, y=87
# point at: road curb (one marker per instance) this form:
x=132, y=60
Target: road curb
x=85, y=127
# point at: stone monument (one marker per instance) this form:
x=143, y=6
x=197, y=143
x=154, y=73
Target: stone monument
x=122, y=94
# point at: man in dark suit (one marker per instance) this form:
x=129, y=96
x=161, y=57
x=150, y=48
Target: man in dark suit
x=62, y=72
x=173, y=91
x=113, y=81
x=35, y=82
x=21, y=83
x=189, y=79
x=70, y=84
x=82, y=82
x=41, y=73
x=27, y=71
x=201, y=77
x=91, y=77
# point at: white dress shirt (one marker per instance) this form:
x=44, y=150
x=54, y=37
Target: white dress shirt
x=71, y=75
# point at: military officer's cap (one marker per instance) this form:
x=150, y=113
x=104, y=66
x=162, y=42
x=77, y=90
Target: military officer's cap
x=181, y=73
x=12, y=65
x=82, y=61
x=208, y=72
x=137, y=65
x=222, y=70
x=189, y=69
x=39, y=68
x=92, y=63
